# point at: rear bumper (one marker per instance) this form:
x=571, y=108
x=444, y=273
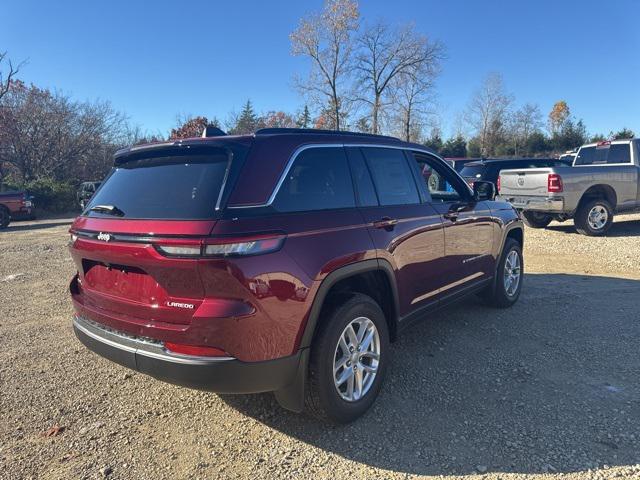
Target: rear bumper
x=542, y=204
x=216, y=374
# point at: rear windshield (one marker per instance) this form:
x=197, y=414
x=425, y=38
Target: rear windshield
x=185, y=185
x=602, y=154
x=475, y=171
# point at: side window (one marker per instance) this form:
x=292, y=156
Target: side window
x=619, y=153
x=441, y=182
x=365, y=190
x=319, y=179
x=391, y=176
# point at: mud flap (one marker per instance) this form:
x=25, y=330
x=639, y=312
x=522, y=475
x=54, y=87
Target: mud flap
x=291, y=397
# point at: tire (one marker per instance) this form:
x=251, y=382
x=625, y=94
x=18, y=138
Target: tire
x=326, y=400
x=594, y=217
x=536, y=219
x=501, y=295
x=5, y=218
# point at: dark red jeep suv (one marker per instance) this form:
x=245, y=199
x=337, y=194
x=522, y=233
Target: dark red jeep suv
x=283, y=261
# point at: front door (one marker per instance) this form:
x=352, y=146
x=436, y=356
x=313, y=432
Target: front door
x=468, y=226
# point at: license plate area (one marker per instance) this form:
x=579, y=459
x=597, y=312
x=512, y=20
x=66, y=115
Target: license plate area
x=123, y=281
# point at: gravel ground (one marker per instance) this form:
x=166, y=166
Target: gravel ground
x=547, y=389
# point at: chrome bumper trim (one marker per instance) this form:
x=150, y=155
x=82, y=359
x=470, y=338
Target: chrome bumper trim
x=139, y=345
x=543, y=204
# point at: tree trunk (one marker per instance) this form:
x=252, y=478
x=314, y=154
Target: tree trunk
x=336, y=108
x=376, y=108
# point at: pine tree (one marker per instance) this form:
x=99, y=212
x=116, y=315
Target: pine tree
x=304, y=120
x=248, y=120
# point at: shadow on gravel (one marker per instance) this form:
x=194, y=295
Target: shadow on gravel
x=620, y=228
x=548, y=385
x=37, y=225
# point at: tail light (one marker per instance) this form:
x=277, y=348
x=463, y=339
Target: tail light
x=194, y=350
x=222, y=247
x=554, y=183
x=498, y=184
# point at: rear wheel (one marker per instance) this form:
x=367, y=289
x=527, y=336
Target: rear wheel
x=536, y=219
x=5, y=217
x=594, y=218
x=348, y=360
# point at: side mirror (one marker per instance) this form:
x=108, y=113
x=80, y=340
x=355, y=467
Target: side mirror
x=483, y=191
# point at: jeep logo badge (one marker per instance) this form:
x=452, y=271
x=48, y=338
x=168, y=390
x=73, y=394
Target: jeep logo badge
x=105, y=237
x=520, y=181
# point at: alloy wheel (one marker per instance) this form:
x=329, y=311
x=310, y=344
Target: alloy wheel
x=512, y=273
x=356, y=359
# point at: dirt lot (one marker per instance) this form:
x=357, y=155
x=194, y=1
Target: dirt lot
x=547, y=389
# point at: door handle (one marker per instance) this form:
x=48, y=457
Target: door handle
x=385, y=222
x=454, y=211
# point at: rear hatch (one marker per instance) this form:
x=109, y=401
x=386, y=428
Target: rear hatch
x=527, y=181
x=136, y=246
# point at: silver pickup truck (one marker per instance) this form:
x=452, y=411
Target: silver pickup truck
x=604, y=180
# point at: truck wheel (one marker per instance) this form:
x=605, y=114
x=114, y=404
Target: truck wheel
x=536, y=219
x=5, y=217
x=349, y=357
x=594, y=218
x=509, y=274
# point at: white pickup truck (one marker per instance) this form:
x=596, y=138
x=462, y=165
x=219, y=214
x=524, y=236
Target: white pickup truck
x=604, y=180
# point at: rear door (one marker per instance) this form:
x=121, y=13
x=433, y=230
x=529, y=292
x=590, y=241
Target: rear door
x=406, y=230
x=468, y=225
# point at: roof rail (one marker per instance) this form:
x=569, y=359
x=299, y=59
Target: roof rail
x=317, y=131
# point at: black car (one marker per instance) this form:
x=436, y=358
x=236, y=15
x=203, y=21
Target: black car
x=488, y=169
x=458, y=163
x=85, y=192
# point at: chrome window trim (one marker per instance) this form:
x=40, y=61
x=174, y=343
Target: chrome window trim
x=302, y=148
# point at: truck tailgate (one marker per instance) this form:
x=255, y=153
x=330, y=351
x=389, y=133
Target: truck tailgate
x=527, y=181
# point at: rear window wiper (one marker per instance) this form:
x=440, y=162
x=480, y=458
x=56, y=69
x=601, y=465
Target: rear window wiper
x=108, y=209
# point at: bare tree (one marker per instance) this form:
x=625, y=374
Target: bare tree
x=327, y=39
x=7, y=76
x=412, y=96
x=524, y=121
x=47, y=135
x=487, y=111
x=387, y=54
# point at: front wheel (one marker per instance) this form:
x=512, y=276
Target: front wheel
x=536, y=219
x=594, y=218
x=509, y=274
x=348, y=360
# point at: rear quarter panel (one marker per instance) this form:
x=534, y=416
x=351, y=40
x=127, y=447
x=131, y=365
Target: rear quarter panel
x=622, y=178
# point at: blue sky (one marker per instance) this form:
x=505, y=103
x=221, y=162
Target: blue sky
x=156, y=60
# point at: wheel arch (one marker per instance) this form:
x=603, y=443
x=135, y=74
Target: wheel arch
x=599, y=191
x=292, y=396
x=362, y=277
